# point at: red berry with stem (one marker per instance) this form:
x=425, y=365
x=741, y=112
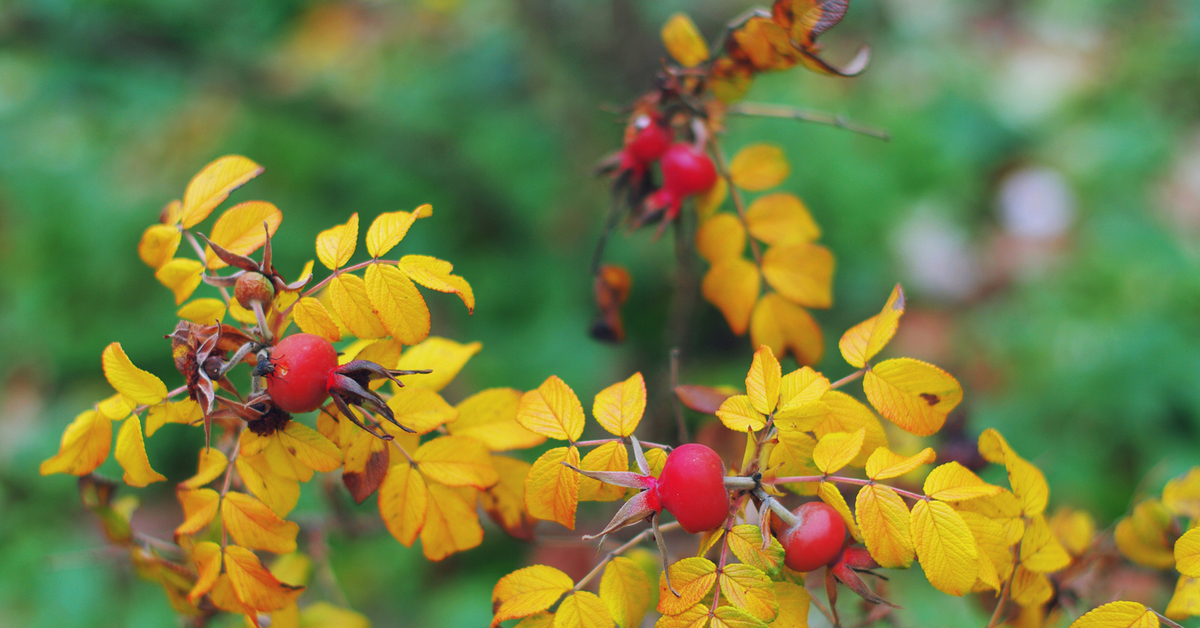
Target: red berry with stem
x=646, y=139
x=815, y=540
x=686, y=171
x=692, y=487
x=302, y=364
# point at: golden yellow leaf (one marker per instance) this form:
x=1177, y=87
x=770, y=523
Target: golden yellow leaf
x=619, y=407
x=885, y=465
x=847, y=414
x=253, y=525
x=212, y=464
x=199, y=508
x=181, y=276
x=527, y=591
x=991, y=544
x=541, y=619
x=326, y=615
x=739, y=415
x=387, y=230
x=914, y=395
x=1118, y=615
x=158, y=244
x=225, y=599
x=430, y=272
x=85, y=445
x=309, y=447
x=451, y=523
x=696, y=616
x=240, y=230
x=801, y=272
x=279, y=493
x=254, y=584
x=1026, y=480
x=349, y=299
x=116, y=407
x=1074, y=529
x=212, y=185
x=733, y=286
x=607, y=457
x=490, y=417
x=793, y=605
x=952, y=482
x=656, y=458
x=241, y=314
x=758, y=167
x=1187, y=553
x=203, y=311
x=398, y=303
x=763, y=381
x=131, y=453
x=1181, y=495
x=1004, y=508
x=625, y=590
x=551, y=489
x=720, y=238
x=683, y=41
x=1154, y=554
x=1186, y=600
x=750, y=589
x=207, y=557
x=801, y=386
x=1040, y=550
x=734, y=617
x=781, y=218
x=692, y=577
x=582, y=609
x=787, y=329
x=861, y=342
x=505, y=502
x=184, y=412
x=445, y=357
x=745, y=541
x=402, y=502
x=884, y=520
x=708, y=202
x=456, y=461
x=552, y=410
x=335, y=246
x=1029, y=588
x=792, y=456
x=421, y=410
x=829, y=493
x=835, y=450
x=945, y=547
x=312, y=318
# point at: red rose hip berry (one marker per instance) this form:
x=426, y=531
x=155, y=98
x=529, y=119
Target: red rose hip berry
x=692, y=487
x=686, y=171
x=300, y=379
x=817, y=538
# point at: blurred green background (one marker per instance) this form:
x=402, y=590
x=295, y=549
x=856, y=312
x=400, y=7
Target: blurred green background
x=1039, y=200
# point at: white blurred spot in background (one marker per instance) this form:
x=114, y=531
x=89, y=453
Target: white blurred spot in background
x=1179, y=194
x=1035, y=204
x=935, y=254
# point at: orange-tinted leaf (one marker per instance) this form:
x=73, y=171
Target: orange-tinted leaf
x=625, y=590
x=551, y=489
x=952, y=482
x=607, y=457
x=445, y=357
x=945, y=547
x=619, y=407
x=720, y=238
x=704, y=399
x=758, y=167
x=733, y=286
x=884, y=465
x=801, y=272
x=527, y=591
x=158, y=244
x=207, y=557
x=202, y=311
x=1118, y=615
x=279, y=493
x=213, y=184
x=552, y=410
x=335, y=246
x=181, y=276
x=805, y=19
x=490, y=417
x=254, y=584
x=240, y=230
x=683, y=41
x=140, y=386
x=914, y=395
x=749, y=589
x=312, y=318
x=456, y=461
x=787, y=329
x=505, y=502
x=421, y=410
x=781, y=218
x=131, y=453
x=451, y=523
x=403, y=502
x=349, y=299
x=884, y=520
x=212, y=464
x=85, y=445
x=367, y=460
x=398, y=303
x=861, y=342
x=837, y=449
x=693, y=578
x=387, y=230
x=253, y=525
x=199, y=508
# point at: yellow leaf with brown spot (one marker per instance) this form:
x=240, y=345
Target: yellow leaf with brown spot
x=367, y=459
x=781, y=218
x=860, y=343
x=444, y=357
x=1118, y=615
x=451, y=523
x=528, y=591
x=85, y=445
x=885, y=465
x=582, y=609
x=830, y=494
x=1026, y=480
x=199, y=508
x=739, y=415
x=952, y=482
x=398, y=303
x=158, y=244
x=758, y=167
x=552, y=410
x=350, y=302
x=763, y=381
x=202, y=311
x=212, y=464
x=456, y=461
x=884, y=520
x=335, y=246
x=720, y=238
x=914, y=395
x=1040, y=550
x=801, y=272
x=692, y=578
x=787, y=328
x=312, y=318
x=733, y=286
x=607, y=457
x=240, y=230
x=387, y=230
x=131, y=453
x=625, y=590
x=279, y=493
x=421, y=410
x=253, y=525
x=212, y=185
x=309, y=447
x=254, y=584
x=505, y=501
x=837, y=449
x=207, y=557
x=140, y=386
x=945, y=547
x=683, y=41
x=551, y=489
x=750, y=589
x=490, y=417
x=403, y=500
x=619, y=407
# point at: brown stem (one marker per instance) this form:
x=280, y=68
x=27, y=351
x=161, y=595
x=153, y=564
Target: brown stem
x=798, y=479
x=849, y=378
x=203, y=258
x=738, y=202
x=793, y=113
x=637, y=538
x=1004, y=591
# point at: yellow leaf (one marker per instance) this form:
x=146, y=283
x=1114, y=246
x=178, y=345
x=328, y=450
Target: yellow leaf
x=131, y=453
x=800, y=387
x=505, y=502
x=695, y=617
x=402, y=502
x=117, y=407
x=280, y=494
x=992, y=546
x=625, y=590
x=1074, y=529
x=398, y=303
x=421, y=410
x=349, y=299
x=312, y=318
x=387, y=230
x=619, y=407
x=847, y=414
x=451, y=523
x=693, y=578
x=207, y=557
x=326, y=615
x=884, y=520
x=781, y=218
x=733, y=286
x=224, y=598
x=1186, y=600
x=85, y=445
x=1181, y=495
x=734, y=617
x=158, y=244
x=787, y=329
x=551, y=489
x=367, y=460
x=914, y=395
x=541, y=619
x=837, y=449
x=861, y=342
x=582, y=609
x=720, y=238
x=241, y=314
x=1156, y=555
x=432, y=273
x=456, y=461
x=885, y=465
x=792, y=456
x=683, y=41
x=607, y=457
x=253, y=525
x=1118, y=615
x=793, y=605
x=750, y=589
x=1026, y=480
x=181, y=276
x=490, y=417
x=199, y=508
x=1187, y=553
x=240, y=230
x=527, y=591
x=213, y=184
x=829, y=493
x=309, y=447
x=1040, y=550
x=952, y=482
x=184, y=412
x=801, y=272
x=1004, y=509
x=945, y=547
x=552, y=410
x=445, y=357
x=763, y=380
x=758, y=167
x=203, y=311
x=1029, y=588
x=745, y=541
x=739, y=415
x=212, y=464
x=335, y=246
x=656, y=458
x=254, y=584
x=707, y=203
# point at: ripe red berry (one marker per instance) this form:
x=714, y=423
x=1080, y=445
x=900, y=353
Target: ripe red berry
x=816, y=539
x=687, y=171
x=646, y=139
x=692, y=487
x=300, y=379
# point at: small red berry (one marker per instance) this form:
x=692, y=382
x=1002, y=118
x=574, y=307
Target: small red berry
x=646, y=139
x=692, y=487
x=687, y=171
x=816, y=539
x=302, y=365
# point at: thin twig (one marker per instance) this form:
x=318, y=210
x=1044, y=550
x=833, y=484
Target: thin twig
x=849, y=378
x=1004, y=591
x=738, y=201
x=679, y=420
x=804, y=115
x=637, y=538
x=798, y=479
x=203, y=259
